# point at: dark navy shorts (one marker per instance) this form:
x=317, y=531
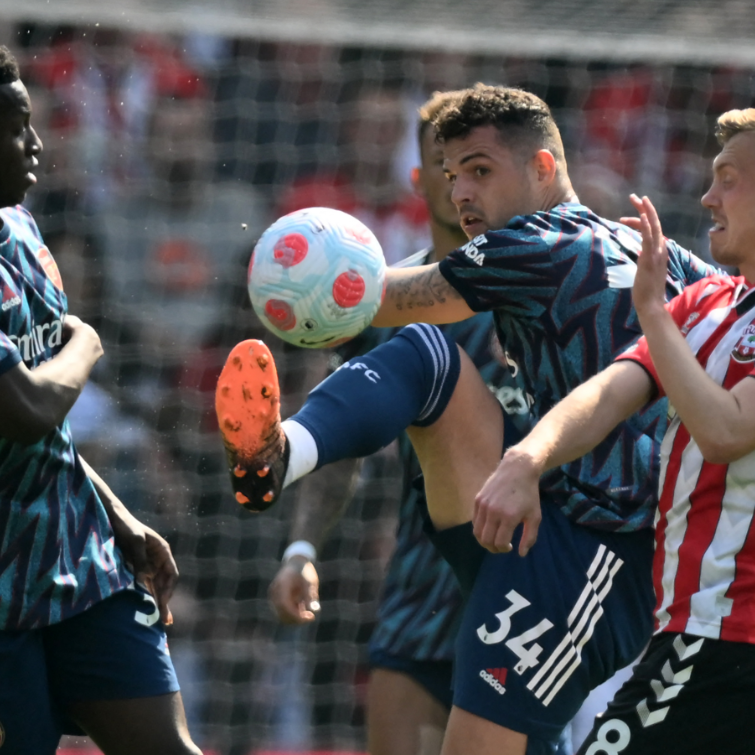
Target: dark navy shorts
x=539, y=632
x=434, y=676
x=115, y=650
x=687, y=694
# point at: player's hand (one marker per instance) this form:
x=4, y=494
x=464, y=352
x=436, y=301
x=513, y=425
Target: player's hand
x=74, y=328
x=649, y=290
x=150, y=558
x=294, y=591
x=510, y=497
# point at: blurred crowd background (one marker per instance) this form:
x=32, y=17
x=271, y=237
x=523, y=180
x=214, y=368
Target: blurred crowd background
x=165, y=157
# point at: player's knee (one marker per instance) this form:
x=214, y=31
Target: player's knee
x=442, y=364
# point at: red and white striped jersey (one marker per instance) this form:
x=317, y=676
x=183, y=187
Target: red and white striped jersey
x=704, y=567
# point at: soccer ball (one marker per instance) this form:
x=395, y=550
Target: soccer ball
x=316, y=277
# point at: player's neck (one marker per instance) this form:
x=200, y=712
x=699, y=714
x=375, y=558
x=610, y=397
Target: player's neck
x=445, y=240
x=559, y=192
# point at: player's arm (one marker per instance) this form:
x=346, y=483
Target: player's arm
x=420, y=294
x=148, y=555
x=33, y=402
x=321, y=500
x=722, y=422
x=571, y=429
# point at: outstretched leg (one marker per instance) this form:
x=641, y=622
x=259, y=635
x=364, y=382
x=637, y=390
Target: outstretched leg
x=461, y=449
x=418, y=380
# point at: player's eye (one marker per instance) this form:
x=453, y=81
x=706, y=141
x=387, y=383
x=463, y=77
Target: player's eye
x=481, y=170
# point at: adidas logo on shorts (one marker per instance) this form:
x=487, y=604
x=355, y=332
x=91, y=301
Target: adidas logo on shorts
x=496, y=678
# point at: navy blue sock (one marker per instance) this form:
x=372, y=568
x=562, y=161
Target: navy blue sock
x=371, y=399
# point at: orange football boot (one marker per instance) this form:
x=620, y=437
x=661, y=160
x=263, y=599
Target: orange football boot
x=247, y=402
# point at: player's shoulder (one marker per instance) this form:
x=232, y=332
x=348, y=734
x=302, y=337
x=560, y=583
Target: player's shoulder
x=715, y=288
x=19, y=222
x=709, y=293
x=566, y=224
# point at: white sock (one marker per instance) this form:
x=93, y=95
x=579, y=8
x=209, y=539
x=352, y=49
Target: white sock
x=303, y=451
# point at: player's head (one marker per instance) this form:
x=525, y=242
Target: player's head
x=731, y=197
x=19, y=143
x=503, y=153
x=429, y=179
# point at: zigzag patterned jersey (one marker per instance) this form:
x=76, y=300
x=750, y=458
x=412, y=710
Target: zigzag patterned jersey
x=559, y=283
x=57, y=553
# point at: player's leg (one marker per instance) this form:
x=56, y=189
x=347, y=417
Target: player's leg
x=461, y=449
x=403, y=717
x=147, y=725
x=467, y=733
x=29, y=722
x=111, y=674
x=419, y=379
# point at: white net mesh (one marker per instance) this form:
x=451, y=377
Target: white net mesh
x=160, y=146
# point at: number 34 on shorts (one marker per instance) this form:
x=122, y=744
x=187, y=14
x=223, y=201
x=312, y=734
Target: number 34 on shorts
x=523, y=645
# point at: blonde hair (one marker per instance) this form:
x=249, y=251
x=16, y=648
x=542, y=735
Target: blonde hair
x=734, y=122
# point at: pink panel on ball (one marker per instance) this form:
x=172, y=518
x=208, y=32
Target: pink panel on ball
x=362, y=235
x=280, y=314
x=290, y=250
x=348, y=289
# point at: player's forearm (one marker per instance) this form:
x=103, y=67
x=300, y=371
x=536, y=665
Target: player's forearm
x=585, y=417
x=420, y=294
x=33, y=402
x=321, y=499
x=713, y=415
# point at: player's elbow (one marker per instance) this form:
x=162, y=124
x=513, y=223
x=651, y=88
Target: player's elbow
x=724, y=447
x=29, y=423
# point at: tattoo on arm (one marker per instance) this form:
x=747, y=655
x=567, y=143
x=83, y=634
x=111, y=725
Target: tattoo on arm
x=423, y=289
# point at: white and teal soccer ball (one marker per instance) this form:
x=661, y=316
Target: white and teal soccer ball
x=316, y=277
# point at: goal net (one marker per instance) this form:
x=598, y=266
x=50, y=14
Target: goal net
x=175, y=132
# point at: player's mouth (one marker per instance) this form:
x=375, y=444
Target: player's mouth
x=717, y=227
x=472, y=225
x=30, y=177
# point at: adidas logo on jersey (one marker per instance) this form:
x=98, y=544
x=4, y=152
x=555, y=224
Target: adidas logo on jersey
x=38, y=339
x=496, y=678
x=10, y=297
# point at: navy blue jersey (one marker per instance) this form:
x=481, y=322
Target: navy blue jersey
x=57, y=553
x=559, y=284
x=421, y=602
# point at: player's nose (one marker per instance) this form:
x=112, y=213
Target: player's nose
x=710, y=198
x=460, y=192
x=33, y=143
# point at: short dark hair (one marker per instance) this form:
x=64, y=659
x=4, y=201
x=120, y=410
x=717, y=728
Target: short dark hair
x=8, y=67
x=518, y=115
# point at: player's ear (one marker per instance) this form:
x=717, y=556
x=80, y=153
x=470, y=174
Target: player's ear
x=416, y=179
x=545, y=165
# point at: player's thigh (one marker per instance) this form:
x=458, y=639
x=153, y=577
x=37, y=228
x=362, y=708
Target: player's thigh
x=467, y=733
x=112, y=661
x=29, y=722
x=403, y=718
x=461, y=449
x=686, y=696
x=147, y=725
x=539, y=632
